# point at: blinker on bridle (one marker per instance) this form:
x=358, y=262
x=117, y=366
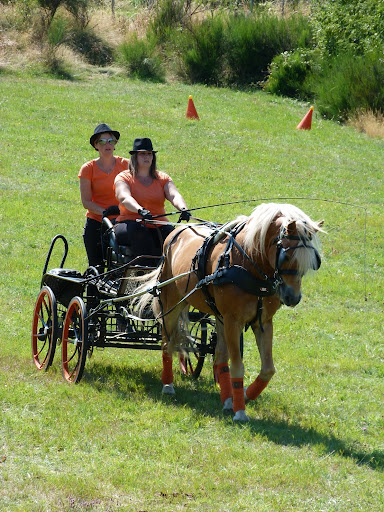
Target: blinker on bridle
x=281, y=253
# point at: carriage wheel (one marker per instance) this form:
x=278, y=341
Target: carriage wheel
x=75, y=341
x=192, y=361
x=44, y=329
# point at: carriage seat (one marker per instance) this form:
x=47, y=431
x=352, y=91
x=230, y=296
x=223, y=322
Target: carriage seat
x=123, y=254
x=117, y=255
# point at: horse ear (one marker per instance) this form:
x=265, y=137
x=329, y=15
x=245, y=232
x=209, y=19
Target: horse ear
x=320, y=224
x=291, y=228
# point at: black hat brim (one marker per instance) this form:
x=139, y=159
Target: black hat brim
x=115, y=133
x=141, y=151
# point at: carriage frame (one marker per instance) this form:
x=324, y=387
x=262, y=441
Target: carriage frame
x=85, y=311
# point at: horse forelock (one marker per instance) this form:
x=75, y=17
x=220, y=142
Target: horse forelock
x=262, y=219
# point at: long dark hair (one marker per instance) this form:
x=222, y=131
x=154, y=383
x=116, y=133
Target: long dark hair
x=133, y=165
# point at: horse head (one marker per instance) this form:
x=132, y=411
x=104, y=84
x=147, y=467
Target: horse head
x=286, y=239
x=297, y=252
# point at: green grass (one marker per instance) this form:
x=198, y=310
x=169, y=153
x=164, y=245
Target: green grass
x=112, y=443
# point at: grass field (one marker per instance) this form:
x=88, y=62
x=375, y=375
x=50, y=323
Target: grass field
x=112, y=443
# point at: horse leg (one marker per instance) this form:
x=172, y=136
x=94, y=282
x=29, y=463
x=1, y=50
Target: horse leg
x=264, y=344
x=232, y=335
x=221, y=368
x=167, y=374
x=169, y=332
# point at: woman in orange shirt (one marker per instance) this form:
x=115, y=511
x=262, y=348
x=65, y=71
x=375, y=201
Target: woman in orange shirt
x=96, y=189
x=142, y=191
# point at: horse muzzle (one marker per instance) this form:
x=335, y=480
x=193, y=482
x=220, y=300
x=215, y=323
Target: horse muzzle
x=288, y=296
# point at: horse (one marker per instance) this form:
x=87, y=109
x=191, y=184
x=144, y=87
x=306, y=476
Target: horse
x=240, y=272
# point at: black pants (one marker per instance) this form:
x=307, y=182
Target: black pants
x=92, y=242
x=141, y=239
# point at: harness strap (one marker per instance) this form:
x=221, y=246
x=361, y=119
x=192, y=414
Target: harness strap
x=231, y=274
x=199, y=263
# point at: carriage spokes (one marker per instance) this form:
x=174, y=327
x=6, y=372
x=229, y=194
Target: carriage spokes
x=74, y=341
x=44, y=329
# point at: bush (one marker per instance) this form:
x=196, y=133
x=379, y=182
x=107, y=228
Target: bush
x=95, y=50
x=140, y=59
x=348, y=26
x=169, y=14
x=203, y=62
x=57, y=32
x=237, y=50
x=252, y=43
x=290, y=73
x=351, y=83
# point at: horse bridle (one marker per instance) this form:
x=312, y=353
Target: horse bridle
x=281, y=253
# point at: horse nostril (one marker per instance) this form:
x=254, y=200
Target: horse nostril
x=294, y=300
x=291, y=300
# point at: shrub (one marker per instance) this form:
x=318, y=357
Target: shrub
x=140, y=60
x=203, y=62
x=168, y=15
x=351, y=83
x=237, y=50
x=348, y=26
x=95, y=50
x=289, y=74
x=57, y=32
x=252, y=43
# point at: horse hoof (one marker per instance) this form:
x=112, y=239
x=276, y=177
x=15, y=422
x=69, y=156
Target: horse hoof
x=168, y=389
x=240, y=416
x=228, y=406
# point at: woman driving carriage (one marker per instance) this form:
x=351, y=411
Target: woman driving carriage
x=96, y=189
x=142, y=191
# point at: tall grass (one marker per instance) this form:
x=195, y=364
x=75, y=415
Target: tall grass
x=314, y=441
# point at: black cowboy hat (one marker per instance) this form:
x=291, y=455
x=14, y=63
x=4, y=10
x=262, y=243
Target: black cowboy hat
x=103, y=128
x=142, y=144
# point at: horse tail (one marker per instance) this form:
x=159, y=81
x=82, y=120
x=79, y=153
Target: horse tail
x=147, y=300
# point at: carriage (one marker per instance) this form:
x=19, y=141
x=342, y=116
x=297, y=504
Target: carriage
x=213, y=281
x=90, y=310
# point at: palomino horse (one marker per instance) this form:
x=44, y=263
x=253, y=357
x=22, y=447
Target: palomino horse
x=242, y=273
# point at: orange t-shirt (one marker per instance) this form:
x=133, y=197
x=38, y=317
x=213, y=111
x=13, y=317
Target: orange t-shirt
x=103, y=192
x=151, y=197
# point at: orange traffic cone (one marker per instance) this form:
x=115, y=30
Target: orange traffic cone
x=191, y=111
x=305, y=123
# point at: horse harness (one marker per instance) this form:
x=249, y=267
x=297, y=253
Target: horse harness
x=235, y=274
x=225, y=273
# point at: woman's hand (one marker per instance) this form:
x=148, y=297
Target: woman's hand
x=184, y=215
x=145, y=214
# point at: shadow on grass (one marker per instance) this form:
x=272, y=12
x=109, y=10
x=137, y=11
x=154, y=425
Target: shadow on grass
x=203, y=397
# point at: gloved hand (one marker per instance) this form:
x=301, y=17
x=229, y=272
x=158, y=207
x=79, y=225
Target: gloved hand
x=184, y=215
x=145, y=214
x=111, y=210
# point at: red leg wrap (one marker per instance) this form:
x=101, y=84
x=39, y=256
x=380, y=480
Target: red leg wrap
x=254, y=390
x=167, y=373
x=223, y=377
x=238, y=395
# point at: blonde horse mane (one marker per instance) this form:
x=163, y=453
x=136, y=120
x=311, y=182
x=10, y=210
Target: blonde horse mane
x=263, y=216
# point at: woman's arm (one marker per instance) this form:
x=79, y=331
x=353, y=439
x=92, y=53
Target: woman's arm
x=86, y=197
x=174, y=196
x=123, y=194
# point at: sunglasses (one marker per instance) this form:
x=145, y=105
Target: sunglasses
x=103, y=142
